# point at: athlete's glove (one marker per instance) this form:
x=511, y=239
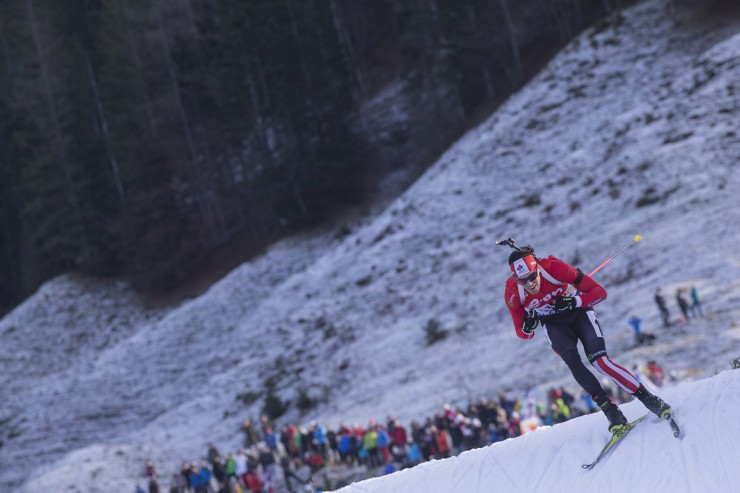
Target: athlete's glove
x=565, y=303
x=529, y=324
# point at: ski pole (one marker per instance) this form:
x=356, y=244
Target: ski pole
x=510, y=243
x=634, y=241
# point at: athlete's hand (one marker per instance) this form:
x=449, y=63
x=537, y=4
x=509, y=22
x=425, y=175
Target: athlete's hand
x=529, y=324
x=565, y=303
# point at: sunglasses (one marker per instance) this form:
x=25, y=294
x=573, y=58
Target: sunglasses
x=527, y=279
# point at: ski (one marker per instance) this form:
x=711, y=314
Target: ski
x=674, y=425
x=617, y=437
x=667, y=415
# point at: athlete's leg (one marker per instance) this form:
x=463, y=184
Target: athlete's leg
x=564, y=342
x=589, y=332
x=581, y=373
x=568, y=337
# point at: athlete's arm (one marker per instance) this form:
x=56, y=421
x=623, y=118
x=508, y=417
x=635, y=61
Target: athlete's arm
x=514, y=304
x=590, y=291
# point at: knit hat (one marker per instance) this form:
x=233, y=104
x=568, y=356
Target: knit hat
x=523, y=266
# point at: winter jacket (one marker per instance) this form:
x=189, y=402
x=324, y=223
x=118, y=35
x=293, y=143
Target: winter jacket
x=370, y=440
x=252, y=482
x=556, y=279
x=383, y=439
x=195, y=481
x=319, y=436
x=205, y=476
x=230, y=467
x=398, y=436
x=345, y=444
x=443, y=443
x=414, y=453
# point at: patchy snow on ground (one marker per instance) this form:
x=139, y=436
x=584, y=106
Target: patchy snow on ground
x=632, y=129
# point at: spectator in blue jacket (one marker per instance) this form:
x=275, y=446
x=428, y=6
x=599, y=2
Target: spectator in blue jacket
x=640, y=336
x=414, y=454
x=695, y=303
x=271, y=439
x=195, y=479
x=205, y=478
x=319, y=439
x=345, y=447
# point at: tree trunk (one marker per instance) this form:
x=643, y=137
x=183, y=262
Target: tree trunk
x=104, y=129
x=485, y=67
x=314, y=113
x=139, y=66
x=6, y=52
x=57, y=134
x=209, y=213
x=348, y=54
x=517, y=70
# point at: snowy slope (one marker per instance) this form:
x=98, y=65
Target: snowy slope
x=631, y=129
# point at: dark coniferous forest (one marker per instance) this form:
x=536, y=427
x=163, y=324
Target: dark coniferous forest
x=143, y=139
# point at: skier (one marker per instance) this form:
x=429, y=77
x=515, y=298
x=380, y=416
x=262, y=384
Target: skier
x=560, y=297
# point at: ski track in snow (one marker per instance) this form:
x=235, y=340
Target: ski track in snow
x=718, y=434
x=541, y=483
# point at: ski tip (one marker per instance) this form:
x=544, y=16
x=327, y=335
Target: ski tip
x=676, y=430
x=674, y=427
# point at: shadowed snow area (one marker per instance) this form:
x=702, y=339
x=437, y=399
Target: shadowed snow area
x=632, y=129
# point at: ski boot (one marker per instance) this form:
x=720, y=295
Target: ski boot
x=612, y=412
x=655, y=404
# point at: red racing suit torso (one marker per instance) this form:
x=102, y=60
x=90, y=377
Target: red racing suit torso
x=588, y=290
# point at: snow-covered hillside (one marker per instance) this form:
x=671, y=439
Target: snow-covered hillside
x=631, y=129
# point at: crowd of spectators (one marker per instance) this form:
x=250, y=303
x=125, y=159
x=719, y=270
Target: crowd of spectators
x=687, y=300
x=291, y=457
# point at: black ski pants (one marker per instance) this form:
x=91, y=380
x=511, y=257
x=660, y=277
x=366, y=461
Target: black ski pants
x=563, y=331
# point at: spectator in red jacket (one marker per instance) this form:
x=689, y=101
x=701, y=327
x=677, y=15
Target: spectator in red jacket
x=252, y=481
x=442, y=441
x=399, y=440
x=655, y=373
